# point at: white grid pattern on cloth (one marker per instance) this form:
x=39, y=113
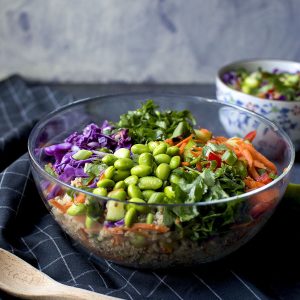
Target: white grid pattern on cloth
x=245, y=284
x=23, y=191
x=62, y=258
x=126, y=280
x=5, y=115
x=17, y=100
x=210, y=288
x=57, y=259
x=124, y=286
x=32, y=253
x=59, y=251
x=162, y=280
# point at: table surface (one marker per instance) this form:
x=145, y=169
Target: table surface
x=80, y=91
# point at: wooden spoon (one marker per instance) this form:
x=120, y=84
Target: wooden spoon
x=19, y=278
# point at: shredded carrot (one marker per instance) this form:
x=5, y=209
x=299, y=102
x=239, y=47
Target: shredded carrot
x=115, y=230
x=252, y=184
x=102, y=176
x=198, y=148
x=220, y=139
x=253, y=173
x=80, y=198
x=62, y=207
x=199, y=167
x=248, y=156
x=181, y=148
x=185, y=163
x=259, y=164
x=195, y=154
x=169, y=141
x=234, y=149
x=263, y=202
x=185, y=141
x=116, y=240
x=258, y=156
x=145, y=226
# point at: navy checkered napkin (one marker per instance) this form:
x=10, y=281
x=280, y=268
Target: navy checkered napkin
x=264, y=269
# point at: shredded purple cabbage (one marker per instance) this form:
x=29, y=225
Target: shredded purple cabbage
x=230, y=78
x=92, y=137
x=111, y=224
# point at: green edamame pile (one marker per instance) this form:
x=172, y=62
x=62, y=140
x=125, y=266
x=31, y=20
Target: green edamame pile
x=139, y=175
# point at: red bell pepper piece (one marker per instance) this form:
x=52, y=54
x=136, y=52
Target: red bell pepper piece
x=250, y=136
x=264, y=178
x=213, y=156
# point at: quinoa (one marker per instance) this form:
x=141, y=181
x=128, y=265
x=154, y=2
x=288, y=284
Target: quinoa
x=147, y=249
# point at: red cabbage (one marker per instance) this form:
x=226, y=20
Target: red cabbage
x=92, y=137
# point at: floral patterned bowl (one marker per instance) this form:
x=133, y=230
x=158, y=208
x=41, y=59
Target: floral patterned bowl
x=285, y=113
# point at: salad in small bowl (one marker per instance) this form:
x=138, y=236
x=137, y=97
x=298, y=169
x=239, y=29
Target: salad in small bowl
x=158, y=183
x=268, y=87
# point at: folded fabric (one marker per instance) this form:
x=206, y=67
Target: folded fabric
x=266, y=268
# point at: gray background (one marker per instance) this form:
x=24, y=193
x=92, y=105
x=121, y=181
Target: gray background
x=169, y=41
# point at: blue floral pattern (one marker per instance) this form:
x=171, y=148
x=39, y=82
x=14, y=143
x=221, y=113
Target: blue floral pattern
x=283, y=116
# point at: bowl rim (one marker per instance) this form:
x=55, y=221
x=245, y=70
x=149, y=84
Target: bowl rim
x=259, y=60
x=244, y=196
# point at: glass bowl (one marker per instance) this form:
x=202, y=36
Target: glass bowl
x=174, y=246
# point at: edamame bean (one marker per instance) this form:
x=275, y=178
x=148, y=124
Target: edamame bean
x=109, y=172
x=109, y=159
x=122, y=153
x=140, y=208
x=150, y=218
x=138, y=241
x=146, y=159
x=106, y=183
x=101, y=191
x=130, y=216
x=173, y=150
x=141, y=170
x=134, y=191
x=160, y=149
x=118, y=194
x=152, y=145
x=82, y=154
x=174, y=179
x=103, y=149
x=169, y=192
x=76, y=209
x=89, y=222
x=150, y=183
x=133, y=179
x=147, y=194
x=175, y=162
x=120, y=185
x=157, y=198
x=123, y=164
x=162, y=158
x=139, y=149
x=121, y=175
x=163, y=171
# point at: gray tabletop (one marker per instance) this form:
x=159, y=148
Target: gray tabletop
x=204, y=90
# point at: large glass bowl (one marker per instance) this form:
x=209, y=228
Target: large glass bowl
x=150, y=248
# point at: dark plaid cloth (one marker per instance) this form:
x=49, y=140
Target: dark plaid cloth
x=266, y=268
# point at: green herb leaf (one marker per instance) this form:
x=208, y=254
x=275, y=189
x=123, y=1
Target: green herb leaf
x=147, y=123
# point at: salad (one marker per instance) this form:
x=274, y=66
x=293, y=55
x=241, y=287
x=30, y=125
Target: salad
x=274, y=85
x=153, y=168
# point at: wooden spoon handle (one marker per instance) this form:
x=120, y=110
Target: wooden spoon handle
x=68, y=292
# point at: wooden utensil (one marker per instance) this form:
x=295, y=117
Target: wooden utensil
x=19, y=278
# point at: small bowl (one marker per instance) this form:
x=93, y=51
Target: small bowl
x=285, y=113
x=154, y=249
